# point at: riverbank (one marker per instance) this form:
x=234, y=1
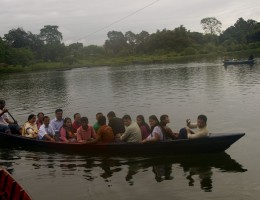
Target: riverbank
x=127, y=60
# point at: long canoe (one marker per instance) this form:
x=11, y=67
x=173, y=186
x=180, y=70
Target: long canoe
x=212, y=144
x=10, y=189
x=236, y=62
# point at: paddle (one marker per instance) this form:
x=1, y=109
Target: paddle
x=12, y=117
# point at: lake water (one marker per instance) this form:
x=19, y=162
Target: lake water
x=229, y=96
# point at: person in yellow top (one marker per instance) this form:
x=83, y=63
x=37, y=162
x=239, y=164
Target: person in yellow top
x=30, y=128
x=200, y=126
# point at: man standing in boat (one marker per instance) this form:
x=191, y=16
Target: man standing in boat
x=6, y=125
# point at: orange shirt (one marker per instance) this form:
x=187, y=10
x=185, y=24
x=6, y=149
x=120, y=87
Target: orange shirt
x=105, y=134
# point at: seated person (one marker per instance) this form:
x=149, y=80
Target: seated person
x=6, y=125
x=144, y=127
x=157, y=131
x=66, y=131
x=169, y=134
x=105, y=133
x=76, y=124
x=39, y=121
x=46, y=132
x=85, y=132
x=201, y=131
x=116, y=124
x=58, y=121
x=30, y=128
x=96, y=126
x=132, y=131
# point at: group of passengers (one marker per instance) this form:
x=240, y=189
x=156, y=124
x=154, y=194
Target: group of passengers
x=117, y=130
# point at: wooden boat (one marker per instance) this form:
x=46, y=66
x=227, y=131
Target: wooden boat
x=10, y=189
x=236, y=62
x=212, y=144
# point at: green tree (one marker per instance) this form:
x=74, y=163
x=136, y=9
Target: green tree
x=211, y=25
x=51, y=35
x=116, y=42
x=19, y=56
x=16, y=38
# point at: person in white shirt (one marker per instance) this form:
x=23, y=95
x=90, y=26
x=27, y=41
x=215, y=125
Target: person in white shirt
x=46, y=131
x=200, y=126
x=6, y=125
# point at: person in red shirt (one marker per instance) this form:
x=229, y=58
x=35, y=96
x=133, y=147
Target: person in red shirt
x=76, y=124
x=85, y=132
x=105, y=133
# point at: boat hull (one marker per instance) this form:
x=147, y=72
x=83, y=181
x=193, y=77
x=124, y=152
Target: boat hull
x=10, y=189
x=212, y=144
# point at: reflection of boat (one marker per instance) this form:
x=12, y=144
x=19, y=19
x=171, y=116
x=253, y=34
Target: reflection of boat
x=10, y=189
x=212, y=144
x=235, y=62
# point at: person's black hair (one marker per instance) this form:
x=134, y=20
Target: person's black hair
x=153, y=117
x=203, y=118
x=45, y=117
x=126, y=117
x=111, y=114
x=40, y=113
x=75, y=115
x=102, y=120
x=31, y=116
x=2, y=101
x=84, y=119
x=163, y=117
x=58, y=110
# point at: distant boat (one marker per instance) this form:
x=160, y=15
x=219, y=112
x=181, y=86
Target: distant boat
x=10, y=189
x=214, y=143
x=236, y=62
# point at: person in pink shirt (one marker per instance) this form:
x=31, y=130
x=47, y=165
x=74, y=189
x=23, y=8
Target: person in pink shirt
x=39, y=121
x=85, y=132
x=67, y=133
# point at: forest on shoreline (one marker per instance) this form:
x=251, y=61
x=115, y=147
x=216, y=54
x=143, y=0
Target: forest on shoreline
x=25, y=51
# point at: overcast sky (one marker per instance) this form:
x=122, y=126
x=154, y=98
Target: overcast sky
x=89, y=21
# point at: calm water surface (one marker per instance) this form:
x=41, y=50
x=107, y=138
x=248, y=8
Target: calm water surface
x=229, y=96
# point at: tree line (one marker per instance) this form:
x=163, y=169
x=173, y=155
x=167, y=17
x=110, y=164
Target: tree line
x=20, y=47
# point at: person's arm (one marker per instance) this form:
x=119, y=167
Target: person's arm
x=125, y=135
x=63, y=135
x=47, y=137
x=200, y=133
x=93, y=133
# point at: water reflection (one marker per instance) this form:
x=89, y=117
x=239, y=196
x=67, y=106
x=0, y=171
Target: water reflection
x=196, y=170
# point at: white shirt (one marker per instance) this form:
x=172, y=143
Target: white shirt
x=3, y=118
x=45, y=130
x=158, y=131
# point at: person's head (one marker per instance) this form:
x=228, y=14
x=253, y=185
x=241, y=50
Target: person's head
x=46, y=120
x=2, y=103
x=98, y=115
x=202, y=121
x=58, y=114
x=164, y=119
x=153, y=121
x=32, y=118
x=67, y=123
x=102, y=120
x=140, y=120
x=77, y=117
x=127, y=120
x=111, y=115
x=84, y=122
x=40, y=116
